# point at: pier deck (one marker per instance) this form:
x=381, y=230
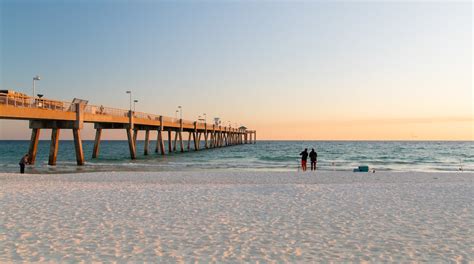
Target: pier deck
x=56, y=115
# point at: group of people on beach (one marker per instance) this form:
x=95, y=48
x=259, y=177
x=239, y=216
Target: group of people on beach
x=313, y=156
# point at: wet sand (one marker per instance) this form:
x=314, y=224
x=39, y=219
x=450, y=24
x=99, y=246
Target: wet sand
x=237, y=217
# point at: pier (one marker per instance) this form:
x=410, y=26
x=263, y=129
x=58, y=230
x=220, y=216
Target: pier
x=56, y=115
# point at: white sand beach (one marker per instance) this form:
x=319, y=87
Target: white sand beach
x=237, y=217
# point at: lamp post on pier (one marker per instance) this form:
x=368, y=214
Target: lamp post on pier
x=180, y=111
x=134, y=102
x=130, y=93
x=36, y=78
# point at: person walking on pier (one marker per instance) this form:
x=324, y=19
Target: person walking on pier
x=304, y=158
x=313, y=156
x=24, y=160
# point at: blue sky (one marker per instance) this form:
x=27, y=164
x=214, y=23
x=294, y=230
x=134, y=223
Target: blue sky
x=257, y=63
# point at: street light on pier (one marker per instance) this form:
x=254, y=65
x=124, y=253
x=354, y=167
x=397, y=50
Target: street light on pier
x=134, y=102
x=130, y=93
x=205, y=117
x=36, y=78
x=180, y=111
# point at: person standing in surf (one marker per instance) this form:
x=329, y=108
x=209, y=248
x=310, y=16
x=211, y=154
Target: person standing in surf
x=24, y=160
x=313, y=156
x=304, y=158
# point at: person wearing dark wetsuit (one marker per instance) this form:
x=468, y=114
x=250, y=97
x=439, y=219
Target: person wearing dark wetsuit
x=24, y=160
x=313, y=156
x=304, y=158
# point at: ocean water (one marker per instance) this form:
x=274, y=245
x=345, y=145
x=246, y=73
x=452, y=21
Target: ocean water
x=265, y=155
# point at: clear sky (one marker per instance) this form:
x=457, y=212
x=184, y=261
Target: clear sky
x=291, y=70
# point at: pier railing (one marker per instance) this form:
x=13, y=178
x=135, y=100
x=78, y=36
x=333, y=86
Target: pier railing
x=102, y=110
x=19, y=100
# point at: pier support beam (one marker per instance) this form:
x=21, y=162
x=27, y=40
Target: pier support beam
x=216, y=136
x=189, y=140
x=135, y=135
x=160, y=142
x=170, y=149
x=181, y=144
x=53, y=148
x=175, y=140
x=226, y=138
x=223, y=139
x=211, y=137
x=95, y=152
x=195, y=137
x=159, y=139
x=219, y=137
x=76, y=132
x=157, y=147
x=199, y=140
x=214, y=139
x=147, y=142
x=205, y=136
x=35, y=133
x=131, y=145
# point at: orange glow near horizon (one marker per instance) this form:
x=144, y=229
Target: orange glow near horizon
x=377, y=129
x=460, y=128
